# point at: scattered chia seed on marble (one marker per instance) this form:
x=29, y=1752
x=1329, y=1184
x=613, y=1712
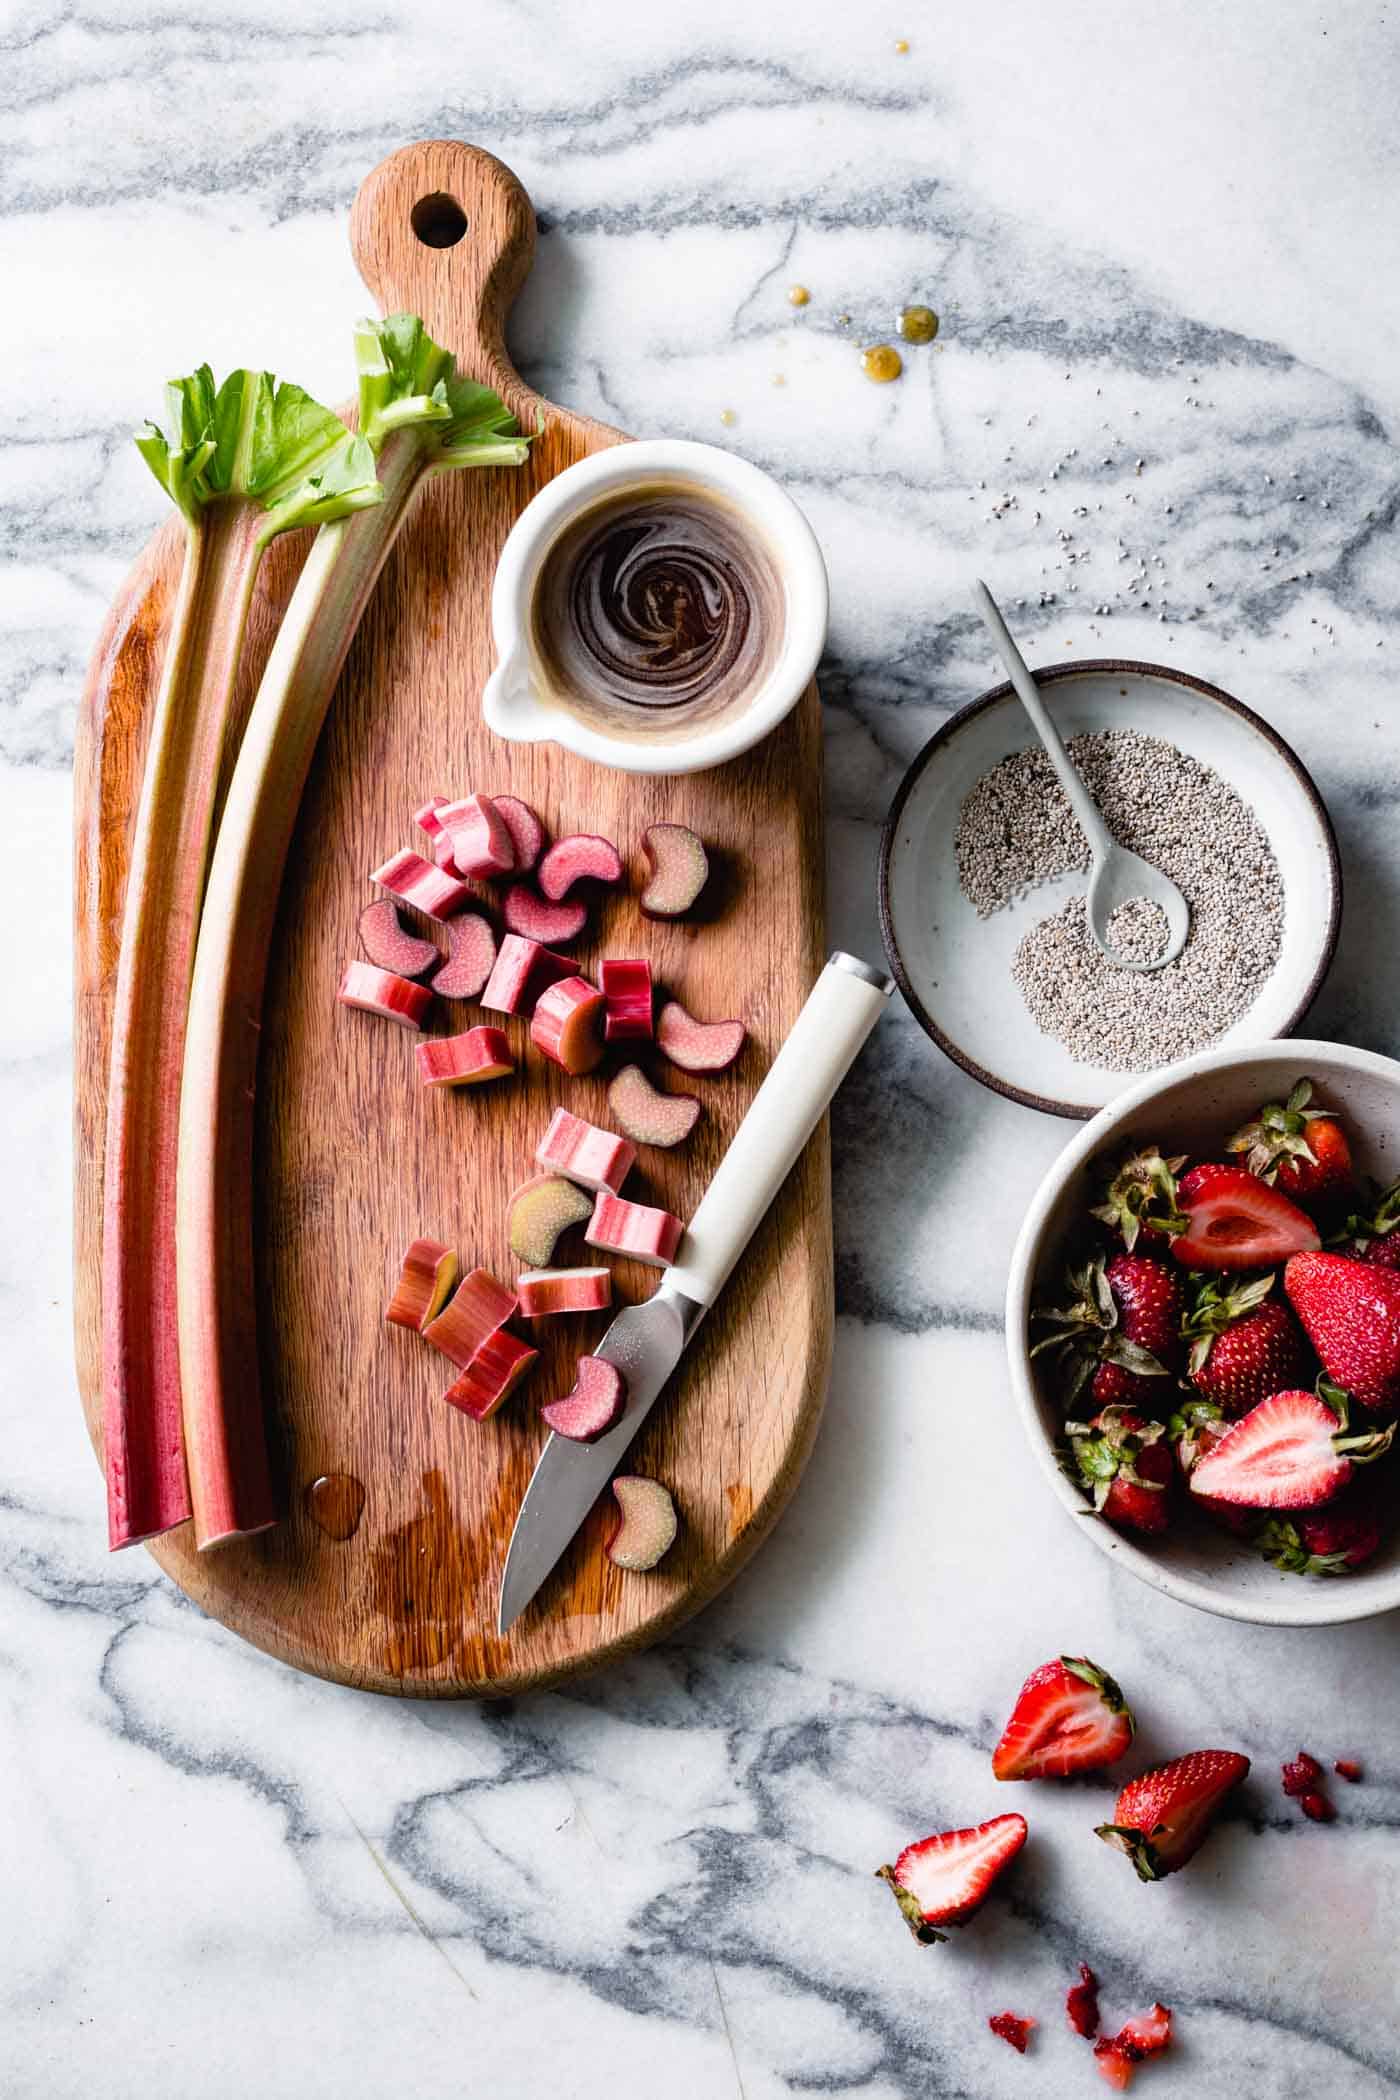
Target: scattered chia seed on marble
x=1017, y=831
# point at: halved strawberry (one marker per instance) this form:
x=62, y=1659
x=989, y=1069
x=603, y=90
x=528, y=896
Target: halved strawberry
x=1236, y=1221
x=1245, y=1345
x=1290, y=1452
x=943, y=1879
x=1123, y=1463
x=1162, y=1818
x=1119, y=1331
x=1139, y=1197
x=1196, y=1428
x=1302, y=1150
x=1069, y=1717
x=1351, y=1312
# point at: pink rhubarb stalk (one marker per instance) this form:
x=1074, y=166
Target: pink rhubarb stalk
x=481, y=838
x=426, y=1275
x=595, y=1159
x=521, y=971
x=501, y=1363
x=582, y=858
x=419, y=418
x=243, y=462
x=627, y=992
x=542, y=1209
x=375, y=991
x=646, y=1524
x=680, y=868
x=525, y=828
x=526, y=913
x=698, y=1046
x=646, y=1115
x=545, y=1292
x=472, y=958
x=418, y=882
x=477, y=1307
x=464, y=1060
x=649, y=1235
x=567, y=1025
x=598, y=1397
x=389, y=946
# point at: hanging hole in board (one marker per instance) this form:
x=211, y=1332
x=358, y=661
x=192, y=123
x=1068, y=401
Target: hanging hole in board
x=439, y=221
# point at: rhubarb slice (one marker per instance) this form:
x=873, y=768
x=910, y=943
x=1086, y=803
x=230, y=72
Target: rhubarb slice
x=427, y=818
x=544, y=1292
x=390, y=946
x=581, y=858
x=526, y=912
x=522, y=970
x=501, y=1363
x=442, y=854
x=481, y=838
x=595, y=1159
x=525, y=828
x=540, y=1211
x=471, y=957
x=627, y=991
x=242, y=462
x=595, y=1404
x=464, y=1060
x=649, y=1235
x=427, y=888
x=375, y=991
x=477, y=1307
x=427, y=1274
x=646, y=1523
x=648, y=1116
x=698, y=1046
x=419, y=418
x=680, y=868
x=567, y=1025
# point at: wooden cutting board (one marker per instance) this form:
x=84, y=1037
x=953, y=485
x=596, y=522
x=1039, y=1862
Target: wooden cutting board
x=354, y=1159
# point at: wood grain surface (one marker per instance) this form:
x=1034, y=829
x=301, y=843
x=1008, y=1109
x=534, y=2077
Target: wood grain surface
x=354, y=1159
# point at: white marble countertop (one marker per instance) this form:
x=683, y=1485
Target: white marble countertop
x=1155, y=234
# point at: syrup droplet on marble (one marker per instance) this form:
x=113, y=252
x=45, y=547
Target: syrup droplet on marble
x=918, y=324
x=881, y=362
x=336, y=1502
x=798, y=295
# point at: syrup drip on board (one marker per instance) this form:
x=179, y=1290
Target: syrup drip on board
x=336, y=1502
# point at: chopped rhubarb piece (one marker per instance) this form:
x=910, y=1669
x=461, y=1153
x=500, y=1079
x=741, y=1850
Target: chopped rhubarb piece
x=522, y=970
x=646, y=1523
x=427, y=1274
x=627, y=990
x=680, y=868
x=543, y=1292
x=595, y=1159
x=567, y=1024
x=1015, y=2028
x=647, y=1235
x=481, y=839
x=590, y=1410
x=389, y=946
x=525, y=828
x=526, y=912
x=582, y=858
x=427, y=818
x=645, y=1114
x=540, y=1210
x=477, y=1307
x=442, y=854
x=1300, y=1774
x=376, y=991
x=1349, y=1769
x=1082, y=2003
x=428, y=889
x=464, y=1060
x=497, y=1368
x=471, y=958
x=698, y=1046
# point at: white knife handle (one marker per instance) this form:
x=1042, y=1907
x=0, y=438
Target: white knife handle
x=845, y=1003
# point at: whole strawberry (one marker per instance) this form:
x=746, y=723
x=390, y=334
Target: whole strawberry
x=1299, y=1149
x=1119, y=1333
x=1244, y=1344
x=1334, y=1540
x=1161, y=1819
x=1374, y=1235
x=1125, y=1465
x=1351, y=1313
x=1139, y=1198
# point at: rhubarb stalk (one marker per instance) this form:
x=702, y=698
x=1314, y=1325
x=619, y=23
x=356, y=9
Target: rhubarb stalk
x=243, y=462
x=418, y=418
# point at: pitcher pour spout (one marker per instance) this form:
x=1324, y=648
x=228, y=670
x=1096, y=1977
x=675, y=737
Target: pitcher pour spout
x=511, y=706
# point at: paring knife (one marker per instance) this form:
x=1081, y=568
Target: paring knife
x=646, y=1341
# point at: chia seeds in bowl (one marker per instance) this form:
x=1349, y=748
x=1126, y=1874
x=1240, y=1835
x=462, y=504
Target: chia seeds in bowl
x=1018, y=830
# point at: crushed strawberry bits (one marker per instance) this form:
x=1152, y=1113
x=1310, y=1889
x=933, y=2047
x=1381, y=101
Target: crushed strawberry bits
x=1225, y=1349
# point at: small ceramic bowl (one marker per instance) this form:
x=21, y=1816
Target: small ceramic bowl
x=516, y=702
x=1191, y=1107
x=954, y=969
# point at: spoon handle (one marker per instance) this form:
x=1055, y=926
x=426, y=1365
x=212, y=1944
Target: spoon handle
x=1080, y=800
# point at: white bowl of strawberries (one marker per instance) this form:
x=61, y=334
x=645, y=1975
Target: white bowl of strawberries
x=1203, y=1321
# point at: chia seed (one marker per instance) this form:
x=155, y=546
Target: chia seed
x=1017, y=831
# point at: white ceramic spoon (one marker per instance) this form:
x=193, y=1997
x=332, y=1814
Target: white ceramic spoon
x=1115, y=874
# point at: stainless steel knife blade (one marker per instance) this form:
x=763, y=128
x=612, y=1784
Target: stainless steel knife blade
x=646, y=1343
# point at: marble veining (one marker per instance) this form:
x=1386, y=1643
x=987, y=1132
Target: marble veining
x=1159, y=418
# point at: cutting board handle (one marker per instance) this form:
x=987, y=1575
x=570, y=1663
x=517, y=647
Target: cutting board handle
x=445, y=231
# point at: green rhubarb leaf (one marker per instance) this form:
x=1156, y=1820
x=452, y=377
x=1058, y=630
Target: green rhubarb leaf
x=406, y=378
x=347, y=482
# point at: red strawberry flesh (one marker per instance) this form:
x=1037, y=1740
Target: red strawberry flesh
x=1287, y=1453
x=1317, y=1808
x=1013, y=2028
x=1070, y=1716
x=1301, y=1774
x=1082, y=2003
x=1236, y=1221
x=1350, y=1769
x=942, y=1880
